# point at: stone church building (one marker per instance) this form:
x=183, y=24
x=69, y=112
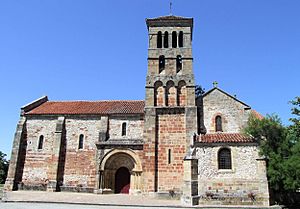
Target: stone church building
x=169, y=144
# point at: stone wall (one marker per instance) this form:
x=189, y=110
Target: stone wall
x=233, y=113
x=134, y=127
x=80, y=164
x=35, y=171
x=245, y=183
x=171, y=143
x=77, y=166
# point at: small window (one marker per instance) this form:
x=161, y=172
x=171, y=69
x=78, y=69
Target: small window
x=161, y=63
x=166, y=39
x=80, y=144
x=224, y=158
x=169, y=156
x=174, y=39
x=178, y=63
x=218, y=123
x=123, y=129
x=159, y=40
x=41, y=142
x=180, y=39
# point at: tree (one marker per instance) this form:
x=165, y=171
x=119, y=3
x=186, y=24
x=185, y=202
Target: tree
x=281, y=146
x=3, y=167
x=292, y=163
x=199, y=91
x=271, y=135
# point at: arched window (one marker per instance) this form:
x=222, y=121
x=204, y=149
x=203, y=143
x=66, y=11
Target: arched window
x=171, y=94
x=181, y=93
x=41, y=142
x=180, y=39
x=174, y=39
x=124, y=129
x=159, y=40
x=224, y=158
x=218, y=122
x=178, y=63
x=158, y=93
x=166, y=39
x=80, y=143
x=161, y=63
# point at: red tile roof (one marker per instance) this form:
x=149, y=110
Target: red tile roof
x=257, y=114
x=225, y=137
x=88, y=107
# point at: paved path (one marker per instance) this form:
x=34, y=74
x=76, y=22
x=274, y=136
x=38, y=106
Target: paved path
x=67, y=200
x=85, y=198
x=66, y=206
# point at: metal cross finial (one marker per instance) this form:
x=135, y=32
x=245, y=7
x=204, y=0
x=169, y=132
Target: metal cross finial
x=170, y=7
x=215, y=83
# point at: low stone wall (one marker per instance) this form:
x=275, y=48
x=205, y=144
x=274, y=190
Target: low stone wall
x=233, y=192
x=77, y=189
x=32, y=187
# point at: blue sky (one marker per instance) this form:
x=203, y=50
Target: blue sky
x=97, y=50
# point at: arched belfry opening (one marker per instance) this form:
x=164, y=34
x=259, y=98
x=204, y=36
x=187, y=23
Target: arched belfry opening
x=120, y=172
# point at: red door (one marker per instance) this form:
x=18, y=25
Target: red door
x=122, y=181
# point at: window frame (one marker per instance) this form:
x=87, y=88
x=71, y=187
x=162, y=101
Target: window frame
x=124, y=129
x=166, y=40
x=161, y=63
x=224, y=161
x=180, y=39
x=218, y=123
x=179, y=63
x=174, y=39
x=80, y=142
x=41, y=142
x=159, y=43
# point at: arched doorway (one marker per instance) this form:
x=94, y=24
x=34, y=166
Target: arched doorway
x=122, y=181
x=120, y=172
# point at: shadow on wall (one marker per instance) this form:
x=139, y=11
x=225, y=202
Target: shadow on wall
x=290, y=200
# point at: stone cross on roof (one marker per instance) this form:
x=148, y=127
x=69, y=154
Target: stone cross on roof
x=215, y=84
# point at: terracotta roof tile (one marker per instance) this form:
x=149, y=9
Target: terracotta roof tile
x=89, y=107
x=257, y=114
x=225, y=137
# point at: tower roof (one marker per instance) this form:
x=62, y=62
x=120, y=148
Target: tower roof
x=170, y=20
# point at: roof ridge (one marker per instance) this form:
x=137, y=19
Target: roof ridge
x=96, y=101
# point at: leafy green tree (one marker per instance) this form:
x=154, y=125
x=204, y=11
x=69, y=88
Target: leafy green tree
x=271, y=135
x=3, y=167
x=281, y=146
x=199, y=91
x=292, y=162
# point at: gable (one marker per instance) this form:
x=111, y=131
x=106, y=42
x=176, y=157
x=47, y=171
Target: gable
x=216, y=91
x=232, y=113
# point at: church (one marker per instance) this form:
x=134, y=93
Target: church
x=173, y=144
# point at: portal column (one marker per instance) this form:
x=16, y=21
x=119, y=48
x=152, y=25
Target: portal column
x=135, y=181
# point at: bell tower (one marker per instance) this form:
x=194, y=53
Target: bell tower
x=170, y=111
x=170, y=62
